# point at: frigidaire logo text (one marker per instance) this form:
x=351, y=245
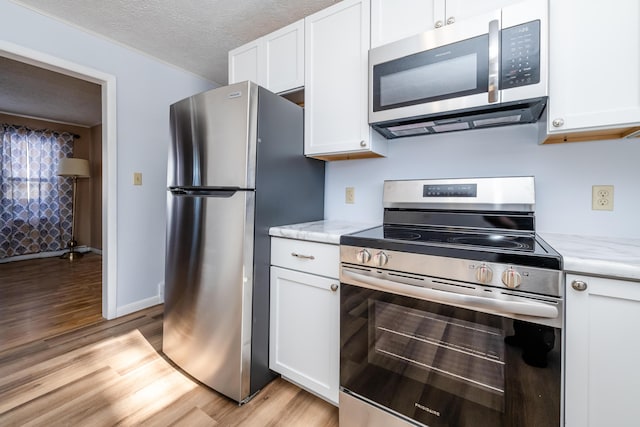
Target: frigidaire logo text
x=429, y=410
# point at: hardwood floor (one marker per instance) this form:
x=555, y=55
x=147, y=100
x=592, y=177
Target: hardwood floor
x=105, y=373
x=47, y=296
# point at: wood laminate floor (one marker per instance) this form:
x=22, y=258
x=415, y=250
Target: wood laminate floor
x=47, y=296
x=93, y=372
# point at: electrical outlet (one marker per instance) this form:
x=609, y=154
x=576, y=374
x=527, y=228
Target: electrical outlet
x=602, y=198
x=349, y=195
x=137, y=178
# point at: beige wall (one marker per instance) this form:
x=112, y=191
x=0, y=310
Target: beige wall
x=88, y=146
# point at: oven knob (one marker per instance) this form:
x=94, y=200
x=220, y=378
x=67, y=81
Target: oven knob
x=511, y=278
x=381, y=259
x=363, y=256
x=484, y=274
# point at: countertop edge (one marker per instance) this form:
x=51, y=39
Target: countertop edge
x=611, y=257
x=323, y=231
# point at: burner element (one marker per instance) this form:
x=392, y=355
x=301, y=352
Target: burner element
x=495, y=241
x=401, y=234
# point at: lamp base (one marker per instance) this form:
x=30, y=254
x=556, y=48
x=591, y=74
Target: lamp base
x=72, y=254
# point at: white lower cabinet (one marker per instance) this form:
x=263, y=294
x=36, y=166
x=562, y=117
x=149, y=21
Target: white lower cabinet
x=304, y=323
x=602, y=352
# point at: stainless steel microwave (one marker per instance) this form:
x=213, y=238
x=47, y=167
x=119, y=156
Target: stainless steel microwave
x=489, y=70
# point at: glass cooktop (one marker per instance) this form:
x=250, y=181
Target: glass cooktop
x=524, y=249
x=486, y=240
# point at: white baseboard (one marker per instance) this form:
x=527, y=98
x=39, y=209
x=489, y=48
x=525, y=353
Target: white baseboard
x=137, y=306
x=161, y=292
x=42, y=255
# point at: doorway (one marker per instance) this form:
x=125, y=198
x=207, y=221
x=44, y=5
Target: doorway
x=109, y=211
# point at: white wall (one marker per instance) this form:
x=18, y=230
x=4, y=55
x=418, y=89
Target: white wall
x=145, y=89
x=564, y=174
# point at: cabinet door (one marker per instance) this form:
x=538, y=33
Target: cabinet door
x=244, y=63
x=594, y=65
x=602, y=352
x=336, y=76
x=284, y=58
x=459, y=10
x=304, y=330
x=393, y=20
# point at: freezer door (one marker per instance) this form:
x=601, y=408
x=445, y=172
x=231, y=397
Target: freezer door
x=214, y=138
x=208, y=286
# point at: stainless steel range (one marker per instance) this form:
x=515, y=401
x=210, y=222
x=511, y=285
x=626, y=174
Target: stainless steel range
x=451, y=311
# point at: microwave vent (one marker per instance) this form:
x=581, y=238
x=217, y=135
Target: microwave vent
x=519, y=112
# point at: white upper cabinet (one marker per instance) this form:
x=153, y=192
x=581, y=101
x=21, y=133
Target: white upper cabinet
x=594, y=81
x=393, y=20
x=336, y=76
x=244, y=62
x=275, y=61
x=284, y=58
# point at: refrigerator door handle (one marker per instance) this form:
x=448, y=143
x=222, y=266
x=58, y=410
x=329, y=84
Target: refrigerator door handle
x=205, y=192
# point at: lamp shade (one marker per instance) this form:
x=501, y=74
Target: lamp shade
x=73, y=167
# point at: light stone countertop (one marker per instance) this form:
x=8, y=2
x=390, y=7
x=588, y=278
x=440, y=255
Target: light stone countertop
x=325, y=231
x=599, y=256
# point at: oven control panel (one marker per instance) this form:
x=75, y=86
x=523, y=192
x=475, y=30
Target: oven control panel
x=523, y=278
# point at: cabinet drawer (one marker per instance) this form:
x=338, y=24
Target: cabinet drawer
x=309, y=257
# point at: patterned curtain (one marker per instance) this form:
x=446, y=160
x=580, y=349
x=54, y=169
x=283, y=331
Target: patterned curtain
x=35, y=204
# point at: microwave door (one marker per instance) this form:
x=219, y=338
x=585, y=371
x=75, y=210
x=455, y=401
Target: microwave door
x=448, y=69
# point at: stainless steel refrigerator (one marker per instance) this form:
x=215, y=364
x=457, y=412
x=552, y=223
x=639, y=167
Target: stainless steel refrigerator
x=236, y=167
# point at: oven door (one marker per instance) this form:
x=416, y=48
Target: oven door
x=437, y=364
x=442, y=70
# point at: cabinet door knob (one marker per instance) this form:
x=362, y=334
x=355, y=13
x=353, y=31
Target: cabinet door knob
x=439, y=24
x=579, y=285
x=363, y=143
x=451, y=20
x=557, y=123
x=334, y=287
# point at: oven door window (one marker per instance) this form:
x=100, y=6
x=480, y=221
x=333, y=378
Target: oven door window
x=447, y=366
x=451, y=71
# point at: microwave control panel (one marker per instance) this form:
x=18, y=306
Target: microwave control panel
x=520, y=55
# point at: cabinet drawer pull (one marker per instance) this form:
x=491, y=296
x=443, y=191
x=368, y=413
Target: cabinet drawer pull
x=334, y=287
x=302, y=256
x=579, y=285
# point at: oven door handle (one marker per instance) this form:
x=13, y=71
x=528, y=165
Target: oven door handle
x=528, y=308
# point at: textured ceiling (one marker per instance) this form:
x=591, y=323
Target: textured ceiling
x=195, y=35
x=32, y=91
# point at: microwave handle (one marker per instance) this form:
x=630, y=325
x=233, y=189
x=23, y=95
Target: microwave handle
x=527, y=308
x=494, y=59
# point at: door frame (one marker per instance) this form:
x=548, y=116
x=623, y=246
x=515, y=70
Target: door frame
x=109, y=157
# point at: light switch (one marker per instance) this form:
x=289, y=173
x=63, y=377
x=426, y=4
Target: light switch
x=137, y=178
